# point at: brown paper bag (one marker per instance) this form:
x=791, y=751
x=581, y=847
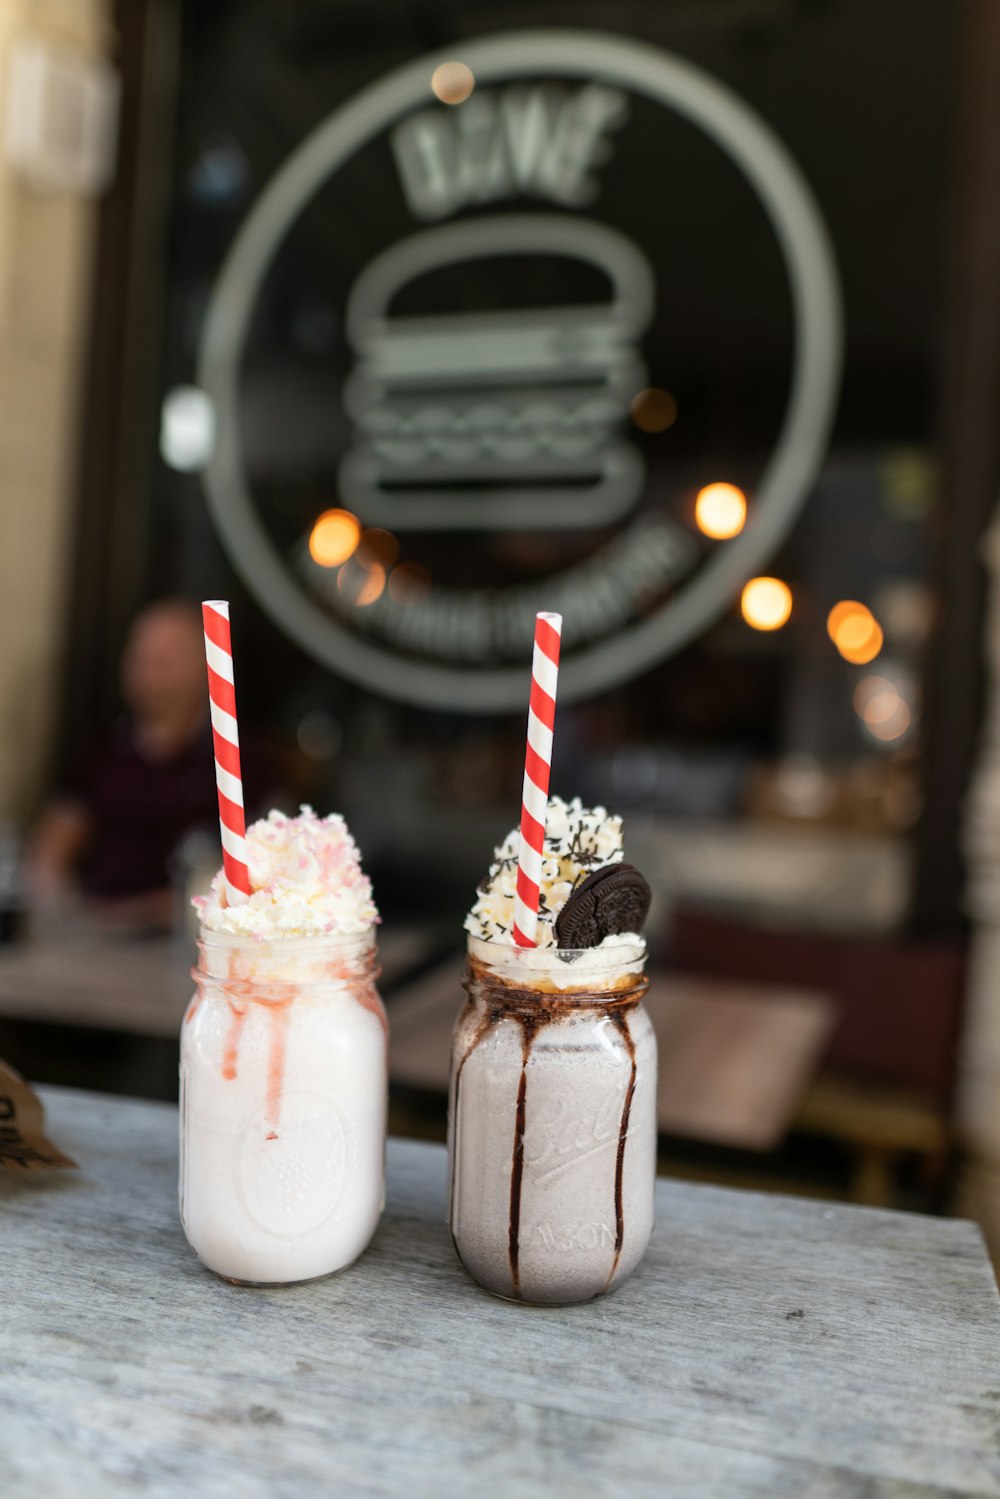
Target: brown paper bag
x=23, y=1146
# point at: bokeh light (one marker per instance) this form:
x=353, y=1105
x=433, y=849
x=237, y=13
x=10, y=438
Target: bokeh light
x=868, y=688
x=886, y=715
x=885, y=706
x=378, y=546
x=359, y=585
x=187, y=428
x=653, y=409
x=452, y=82
x=855, y=632
x=372, y=587
x=334, y=537
x=861, y=654
x=840, y=612
x=766, y=603
x=720, y=511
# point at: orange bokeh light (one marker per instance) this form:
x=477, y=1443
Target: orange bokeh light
x=855, y=632
x=843, y=611
x=720, y=511
x=334, y=537
x=860, y=654
x=766, y=603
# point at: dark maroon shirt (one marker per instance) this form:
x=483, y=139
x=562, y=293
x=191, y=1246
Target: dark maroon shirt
x=141, y=808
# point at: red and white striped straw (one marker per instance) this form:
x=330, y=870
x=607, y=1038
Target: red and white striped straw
x=228, y=780
x=537, y=767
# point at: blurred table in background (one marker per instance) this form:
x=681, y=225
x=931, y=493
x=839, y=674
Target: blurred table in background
x=815, y=877
x=738, y=1061
x=735, y=1059
x=139, y=987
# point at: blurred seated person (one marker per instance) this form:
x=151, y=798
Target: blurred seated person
x=108, y=837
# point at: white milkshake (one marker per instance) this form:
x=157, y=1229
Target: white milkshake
x=283, y=1063
x=552, y=1105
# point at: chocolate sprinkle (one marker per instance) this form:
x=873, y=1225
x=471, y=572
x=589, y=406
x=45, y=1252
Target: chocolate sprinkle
x=611, y=900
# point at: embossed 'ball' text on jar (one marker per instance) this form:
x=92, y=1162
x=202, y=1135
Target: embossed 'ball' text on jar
x=283, y=1106
x=552, y=1120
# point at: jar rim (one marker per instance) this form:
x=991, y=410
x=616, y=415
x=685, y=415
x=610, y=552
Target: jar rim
x=540, y=1003
x=284, y=966
x=558, y=977
x=314, y=945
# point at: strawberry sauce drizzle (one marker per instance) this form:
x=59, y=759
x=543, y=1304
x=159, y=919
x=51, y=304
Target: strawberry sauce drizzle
x=278, y=1017
x=230, y=1051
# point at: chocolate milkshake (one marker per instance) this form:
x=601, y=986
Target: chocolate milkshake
x=552, y=1109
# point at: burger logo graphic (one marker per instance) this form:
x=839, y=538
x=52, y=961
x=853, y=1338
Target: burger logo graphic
x=493, y=338
x=507, y=420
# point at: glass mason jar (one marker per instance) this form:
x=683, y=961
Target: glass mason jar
x=552, y=1120
x=283, y=1106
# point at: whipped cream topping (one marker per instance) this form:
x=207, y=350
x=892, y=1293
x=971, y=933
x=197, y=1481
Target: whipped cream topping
x=578, y=840
x=306, y=879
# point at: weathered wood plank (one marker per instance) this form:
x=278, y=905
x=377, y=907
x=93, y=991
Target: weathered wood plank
x=765, y=1347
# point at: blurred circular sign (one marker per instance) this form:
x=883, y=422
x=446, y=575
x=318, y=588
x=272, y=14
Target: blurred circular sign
x=504, y=423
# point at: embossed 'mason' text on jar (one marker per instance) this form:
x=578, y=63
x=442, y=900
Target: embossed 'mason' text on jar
x=552, y=1120
x=283, y=1106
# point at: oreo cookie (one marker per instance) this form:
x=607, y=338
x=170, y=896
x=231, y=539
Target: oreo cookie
x=611, y=900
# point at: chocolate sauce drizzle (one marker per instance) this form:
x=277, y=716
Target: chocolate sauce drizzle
x=620, y=1023
x=529, y=1028
x=532, y=1009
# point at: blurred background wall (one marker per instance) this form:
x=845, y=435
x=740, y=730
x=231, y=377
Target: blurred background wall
x=794, y=779
x=47, y=242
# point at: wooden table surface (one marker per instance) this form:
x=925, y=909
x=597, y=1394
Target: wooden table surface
x=734, y=1059
x=766, y=1346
